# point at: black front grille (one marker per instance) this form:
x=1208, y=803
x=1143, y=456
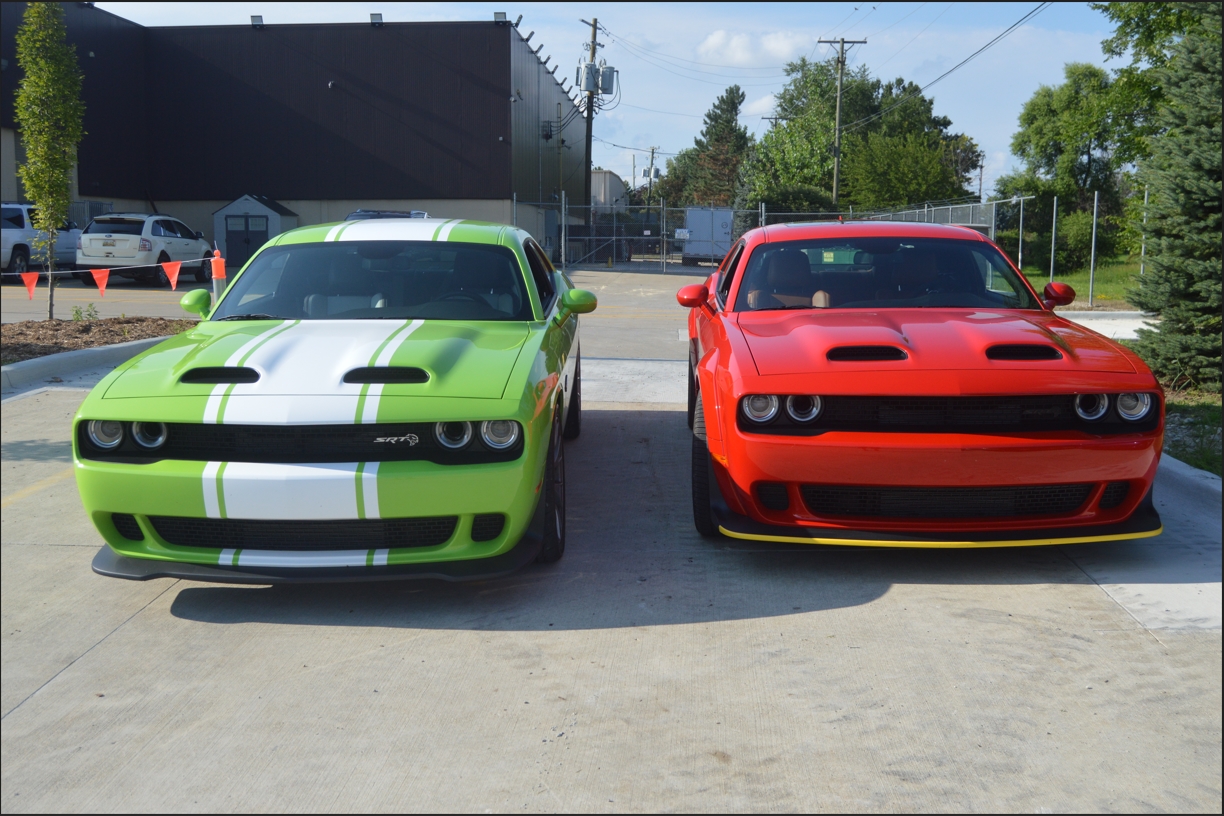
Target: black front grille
x=1115, y=493
x=487, y=526
x=289, y=444
x=945, y=502
x=772, y=495
x=356, y=534
x=126, y=524
x=1010, y=414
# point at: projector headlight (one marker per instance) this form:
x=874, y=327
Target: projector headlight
x=760, y=407
x=1091, y=406
x=804, y=408
x=1134, y=407
x=104, y=433
x=499, y=434
x=453, y=435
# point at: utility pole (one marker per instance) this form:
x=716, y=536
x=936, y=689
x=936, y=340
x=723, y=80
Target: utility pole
x=590, y=116
x=840, y=42
x=650, y=175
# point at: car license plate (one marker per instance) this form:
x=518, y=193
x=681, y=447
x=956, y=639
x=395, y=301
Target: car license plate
x=108, y=243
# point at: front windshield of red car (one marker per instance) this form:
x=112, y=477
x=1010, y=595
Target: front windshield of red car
x=880, y=273
x=370, y=280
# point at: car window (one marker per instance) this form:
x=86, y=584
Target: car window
x=369, y=280
x=183, y=230
x=880, y=273
x=116, y=226
x=163, y=229
x=13, y=219
x=542, y=272
x=726, y=272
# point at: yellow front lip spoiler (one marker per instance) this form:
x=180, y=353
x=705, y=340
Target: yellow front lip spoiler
x=860, y=542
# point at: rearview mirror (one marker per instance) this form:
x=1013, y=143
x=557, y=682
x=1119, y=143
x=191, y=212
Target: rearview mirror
x=1058, y=293
x=693, y=295
x=579, y=301
x=197, y=301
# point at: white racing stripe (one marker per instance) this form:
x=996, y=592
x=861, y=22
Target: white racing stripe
x=395, y=229
x=334, y=231
x=444, y=234
x=212, y=409
x=257, y=490
x=212, y=501
x=369, y=490
x=303, y=558
x=380, y=557
x=369, y=410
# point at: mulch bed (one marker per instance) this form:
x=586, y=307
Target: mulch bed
x=37, y=338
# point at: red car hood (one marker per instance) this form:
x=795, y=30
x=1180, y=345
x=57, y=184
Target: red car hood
x=934, y=339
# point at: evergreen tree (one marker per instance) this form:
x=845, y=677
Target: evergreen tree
x=1182, y=282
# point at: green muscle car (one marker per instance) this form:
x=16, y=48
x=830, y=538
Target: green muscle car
x=372, y=399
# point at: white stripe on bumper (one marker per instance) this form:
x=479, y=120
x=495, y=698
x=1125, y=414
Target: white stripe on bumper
x=303, y=558
x=255, y=490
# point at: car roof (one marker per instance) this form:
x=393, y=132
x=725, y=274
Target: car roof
x=868, y=229
x=399, y=229
x=130, y=215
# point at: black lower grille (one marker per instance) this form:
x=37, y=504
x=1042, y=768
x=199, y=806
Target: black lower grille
x=487, y=526
x=355, y=534
x=126, y=524
x=772, y=495
x=1115, y=493
x=945, y=502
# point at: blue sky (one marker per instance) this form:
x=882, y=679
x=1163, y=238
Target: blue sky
x=675, y=59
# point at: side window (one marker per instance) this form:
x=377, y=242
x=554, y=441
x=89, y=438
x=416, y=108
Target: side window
x=13, y=219
x=158, y=230
x=541, y=273
x=726, y=275
x=184, y=231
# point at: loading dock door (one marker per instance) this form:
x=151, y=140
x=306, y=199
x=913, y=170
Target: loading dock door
x=244, y=235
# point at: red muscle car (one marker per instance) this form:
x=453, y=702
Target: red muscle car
x=891, y=384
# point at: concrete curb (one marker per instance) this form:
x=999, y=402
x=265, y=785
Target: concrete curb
x=20, y=374
x=1202, y=477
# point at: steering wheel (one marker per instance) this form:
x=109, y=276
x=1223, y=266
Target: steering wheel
x=459, y=294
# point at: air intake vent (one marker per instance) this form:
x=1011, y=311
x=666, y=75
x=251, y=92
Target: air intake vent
x=1024, y=351
x=387, y=375
x=220, y=374
x=860, y=354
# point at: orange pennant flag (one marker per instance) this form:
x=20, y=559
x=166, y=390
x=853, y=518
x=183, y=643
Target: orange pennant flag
x=30, y=279
x=218, y=265
x=100, y=276
x=172, y=270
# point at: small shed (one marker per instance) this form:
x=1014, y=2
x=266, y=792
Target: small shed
x=241, y=227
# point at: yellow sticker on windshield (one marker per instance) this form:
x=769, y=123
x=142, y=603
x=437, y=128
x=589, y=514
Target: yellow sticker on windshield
x=828, y=257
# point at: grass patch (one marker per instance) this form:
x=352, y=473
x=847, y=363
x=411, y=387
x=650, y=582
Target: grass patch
x=1109, y=287
x=1192, y=430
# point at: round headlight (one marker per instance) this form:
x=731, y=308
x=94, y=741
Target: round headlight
x=1134, y=407
x=453, y=435
x=149, y=434
x=1091, y=406
x=803, y=408
x=104, y=433
x=499, y=434
x=760, y=407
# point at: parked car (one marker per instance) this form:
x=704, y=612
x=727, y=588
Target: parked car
x=17, y=241
x=376, y=399
x=137, y=243
x=889, y=384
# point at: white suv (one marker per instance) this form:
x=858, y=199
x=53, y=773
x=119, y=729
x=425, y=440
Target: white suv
x=17, y=236
x=139, y=242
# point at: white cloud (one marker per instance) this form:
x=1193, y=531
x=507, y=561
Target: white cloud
x=759, y=107
x=753, y=50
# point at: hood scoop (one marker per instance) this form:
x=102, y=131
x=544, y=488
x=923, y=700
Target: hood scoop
x=387, y=375
x=861, y=354
x=1023, y=351
x=217, y=375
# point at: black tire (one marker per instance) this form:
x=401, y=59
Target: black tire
x=204, y=270
x=160, y=279
x=550, y=512
x=87, y=279
x=19, y=261
x=573, y=414
x=703, y=514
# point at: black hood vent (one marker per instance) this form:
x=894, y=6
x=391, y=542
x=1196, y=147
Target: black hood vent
x=861, y=354
x=220, y=375
x=1023, y=351
x=387, y=375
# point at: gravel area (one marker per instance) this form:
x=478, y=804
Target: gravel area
x=36, y=338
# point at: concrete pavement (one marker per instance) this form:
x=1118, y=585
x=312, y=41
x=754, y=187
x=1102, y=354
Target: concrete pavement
x=649, y=670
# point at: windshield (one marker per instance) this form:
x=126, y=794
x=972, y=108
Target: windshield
x=880, y=273
x=368, y=280
x=115, y=226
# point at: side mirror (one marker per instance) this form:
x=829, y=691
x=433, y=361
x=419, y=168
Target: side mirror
x=693, y=295
x=197, y=301
x=579, y=301
x=199, y=235
x=1058, y=293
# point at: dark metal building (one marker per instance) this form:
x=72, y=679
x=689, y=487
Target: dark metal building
x=345, y=112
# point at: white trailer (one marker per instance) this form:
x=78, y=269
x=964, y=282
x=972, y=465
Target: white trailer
x=708, y=234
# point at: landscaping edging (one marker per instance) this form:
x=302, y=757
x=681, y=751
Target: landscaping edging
x=16, y=375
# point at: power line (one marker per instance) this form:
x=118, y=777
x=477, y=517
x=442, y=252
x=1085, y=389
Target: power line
x=916, y=36
x=903, y=19
x=661, y=55
x=1040, y=8
x=666, y=113
x=638, y=149
x=672, y=69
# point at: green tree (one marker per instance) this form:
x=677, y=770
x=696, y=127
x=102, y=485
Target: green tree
x=1182, y=282
x=720, y=150
x=886, y=171
x=49, y=114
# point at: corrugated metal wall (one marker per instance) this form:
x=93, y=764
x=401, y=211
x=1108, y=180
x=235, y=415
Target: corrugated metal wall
x=542, y=166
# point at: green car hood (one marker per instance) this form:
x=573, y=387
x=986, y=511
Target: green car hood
x=302, y=359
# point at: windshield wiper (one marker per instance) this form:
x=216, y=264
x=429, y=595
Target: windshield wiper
x=255, y=316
